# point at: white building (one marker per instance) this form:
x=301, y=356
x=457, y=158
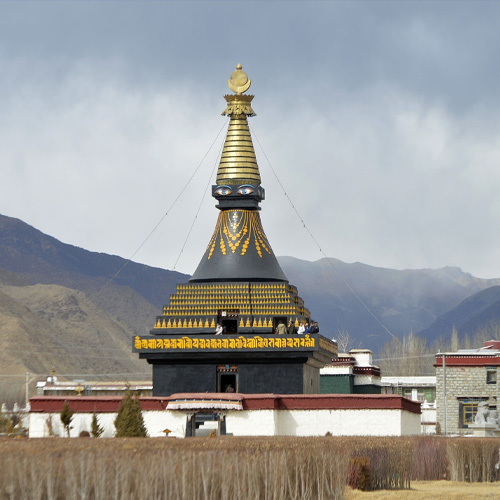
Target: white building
x=239, y=414
x=351, y=373
x=421, y=389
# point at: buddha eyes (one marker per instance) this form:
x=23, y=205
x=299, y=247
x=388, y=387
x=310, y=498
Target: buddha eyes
x=245, y=190
x=227, y=190
x=223, y=190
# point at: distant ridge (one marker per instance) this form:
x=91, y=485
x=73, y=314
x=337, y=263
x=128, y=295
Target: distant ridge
x=52, y=293
x=477, y=312
x=403, y=301
x=43, y=259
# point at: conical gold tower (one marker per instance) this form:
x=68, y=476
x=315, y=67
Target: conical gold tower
x=239, y=281
x=239, y=248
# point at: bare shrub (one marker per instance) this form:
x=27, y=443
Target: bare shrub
x=391, y=460
x=199, y=469
x=429, y=458
x=229, y=467
x=358, y=474
x=473, y=459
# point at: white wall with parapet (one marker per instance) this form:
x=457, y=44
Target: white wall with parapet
x=363, y=357
x=319, y=422
x=336, y=370
x=252, y=423
x=81, y=422
x=174, y=421
x=157, y=421
x=411, y=423
x=371, y=422
x=428, y=420
x=348, y=423
x=366, y=380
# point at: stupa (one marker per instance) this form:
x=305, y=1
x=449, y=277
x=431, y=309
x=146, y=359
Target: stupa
x=240, y=286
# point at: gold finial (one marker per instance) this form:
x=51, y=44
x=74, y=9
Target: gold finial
x=239, y=81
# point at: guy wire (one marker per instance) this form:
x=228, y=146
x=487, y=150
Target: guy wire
x=350, y=288
x=164, y=215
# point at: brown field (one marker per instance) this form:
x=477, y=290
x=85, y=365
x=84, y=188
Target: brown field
x=228, y=468
x=425, y=490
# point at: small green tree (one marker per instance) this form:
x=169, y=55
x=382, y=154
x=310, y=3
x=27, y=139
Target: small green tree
x=95, y=429
x=66, y=417
x=3, y=423
x=129, y=421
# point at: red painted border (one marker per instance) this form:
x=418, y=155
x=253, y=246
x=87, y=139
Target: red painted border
x=111, y=404
x=91, y=404
x=469, y=360
x=366, y=370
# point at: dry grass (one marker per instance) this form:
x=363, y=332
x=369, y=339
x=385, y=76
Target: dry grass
x=162, y=468
x=425, y=490
x=250, y=468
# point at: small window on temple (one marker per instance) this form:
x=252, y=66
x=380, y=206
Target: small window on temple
x=491, y=374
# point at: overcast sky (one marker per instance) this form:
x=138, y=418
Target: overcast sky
x=381, y=120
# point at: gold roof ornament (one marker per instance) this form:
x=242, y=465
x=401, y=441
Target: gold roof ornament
x=239, y=104
x=238, y=163
x=239, y=81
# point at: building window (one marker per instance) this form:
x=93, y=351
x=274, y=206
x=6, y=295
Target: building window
x=430, y=394
x=467, y=411
x=491, y=374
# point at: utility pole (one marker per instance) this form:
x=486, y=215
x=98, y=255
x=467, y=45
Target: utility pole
x=27, y=389
x=444, y=396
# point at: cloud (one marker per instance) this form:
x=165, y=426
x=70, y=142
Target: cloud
x=379, y=120
x=388, y=179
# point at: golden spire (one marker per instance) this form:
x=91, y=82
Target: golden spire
x=238, y=164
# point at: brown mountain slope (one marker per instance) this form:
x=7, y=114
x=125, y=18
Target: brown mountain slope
x=50, y=326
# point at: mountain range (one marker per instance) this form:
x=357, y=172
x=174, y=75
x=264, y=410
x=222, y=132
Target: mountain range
x=76, y=311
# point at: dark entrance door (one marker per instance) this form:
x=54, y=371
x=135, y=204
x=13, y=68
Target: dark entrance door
x=228, y=382
x=230, y=324
x=277, y=320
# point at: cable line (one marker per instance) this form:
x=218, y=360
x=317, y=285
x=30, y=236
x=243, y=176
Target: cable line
x=163, y=217
x=351, y=289
x=200, y=205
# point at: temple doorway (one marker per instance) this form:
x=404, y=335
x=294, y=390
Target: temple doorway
x=277, y=320
x=230, y=324
x=228, y=382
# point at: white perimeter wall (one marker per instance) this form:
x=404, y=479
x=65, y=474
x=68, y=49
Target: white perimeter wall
x=252, y=423
x=155, y=421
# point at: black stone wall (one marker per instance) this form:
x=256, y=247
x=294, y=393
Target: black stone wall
x=253, y=378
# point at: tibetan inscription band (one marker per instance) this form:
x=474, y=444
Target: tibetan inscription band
x=298, y=342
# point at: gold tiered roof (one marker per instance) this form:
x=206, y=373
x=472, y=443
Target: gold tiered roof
x=199, y=306
x=238, y=164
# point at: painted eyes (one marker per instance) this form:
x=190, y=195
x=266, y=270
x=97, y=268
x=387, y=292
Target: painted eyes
x=226, y=190
x=245, y=190
x=223, y=190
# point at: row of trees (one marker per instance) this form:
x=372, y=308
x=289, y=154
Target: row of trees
x=128, y=422
x=411, y=355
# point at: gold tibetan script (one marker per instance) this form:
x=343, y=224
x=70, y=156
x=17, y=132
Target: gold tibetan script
x=256, y=342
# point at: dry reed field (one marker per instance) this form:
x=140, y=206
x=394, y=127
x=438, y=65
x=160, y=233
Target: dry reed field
x=246, y=468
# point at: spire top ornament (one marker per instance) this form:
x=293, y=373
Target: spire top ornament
x=239, y=81
x=237, y=103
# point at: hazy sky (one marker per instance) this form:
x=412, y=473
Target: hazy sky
x=380, y=119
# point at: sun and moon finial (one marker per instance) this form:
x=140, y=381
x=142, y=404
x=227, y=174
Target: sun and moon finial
x=239, y=81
